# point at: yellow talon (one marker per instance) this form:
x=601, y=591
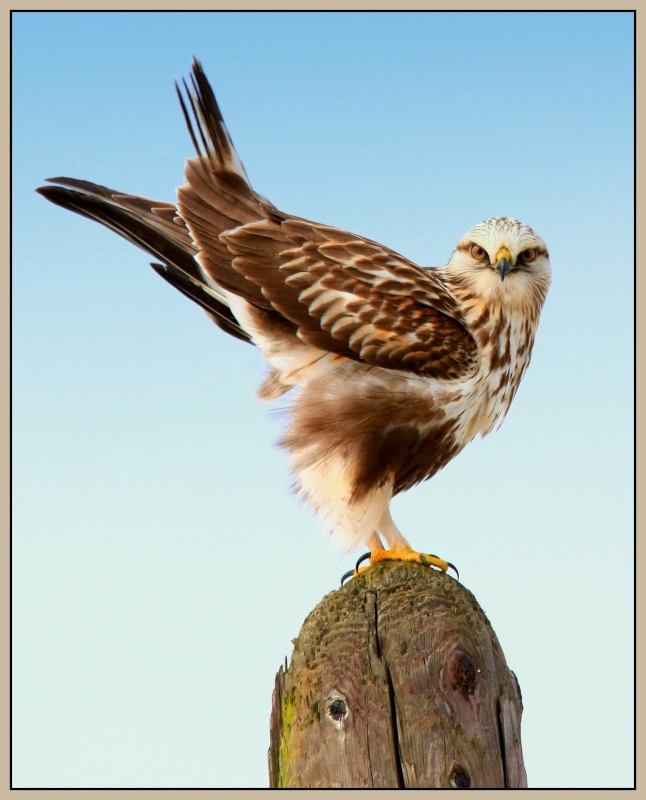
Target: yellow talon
x=403, y=554
x=400, y=554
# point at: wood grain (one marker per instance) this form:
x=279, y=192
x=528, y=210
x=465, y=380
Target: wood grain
x=397, y=680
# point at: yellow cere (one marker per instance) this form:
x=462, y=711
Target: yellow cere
x=503, y=253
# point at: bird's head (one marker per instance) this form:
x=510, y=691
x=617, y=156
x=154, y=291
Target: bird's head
x=503, y=261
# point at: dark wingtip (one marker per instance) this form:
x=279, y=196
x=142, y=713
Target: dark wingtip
x=198, y=72
x=205, y=92
x=187, y=117
x=51, y=193
x=45, y=189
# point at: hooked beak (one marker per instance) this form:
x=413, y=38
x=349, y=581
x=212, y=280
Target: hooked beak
x=502, y=262
x=503, y=268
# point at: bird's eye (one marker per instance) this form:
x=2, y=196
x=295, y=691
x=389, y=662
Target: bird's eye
x=527, y=256
x=478, y=252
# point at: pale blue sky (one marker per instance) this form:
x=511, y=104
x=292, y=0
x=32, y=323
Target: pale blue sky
x=161, y=567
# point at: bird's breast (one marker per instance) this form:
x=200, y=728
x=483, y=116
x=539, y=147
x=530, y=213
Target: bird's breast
x=504, y=347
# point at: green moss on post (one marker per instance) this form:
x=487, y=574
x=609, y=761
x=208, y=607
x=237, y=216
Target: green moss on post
x=396, y=680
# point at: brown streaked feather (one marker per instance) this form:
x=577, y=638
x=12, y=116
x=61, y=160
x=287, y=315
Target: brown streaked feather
x=375, y=307
x=355, y=326
x=343, y=293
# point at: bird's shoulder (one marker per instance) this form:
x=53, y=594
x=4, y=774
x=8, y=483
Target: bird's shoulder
x=349, y=294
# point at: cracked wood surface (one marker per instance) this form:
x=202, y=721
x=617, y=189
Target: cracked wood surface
x=397, y=680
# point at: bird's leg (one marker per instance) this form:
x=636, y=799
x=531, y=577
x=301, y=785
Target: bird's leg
x=400, y=550
x=375, y=545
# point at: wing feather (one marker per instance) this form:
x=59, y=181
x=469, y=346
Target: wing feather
x=156, y=228
x=343, y=293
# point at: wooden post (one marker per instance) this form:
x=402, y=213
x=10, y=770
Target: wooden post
x=397, y=680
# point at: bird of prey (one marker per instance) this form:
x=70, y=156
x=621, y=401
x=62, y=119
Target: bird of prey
x=395, y=367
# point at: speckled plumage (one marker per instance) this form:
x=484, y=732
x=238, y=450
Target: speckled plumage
x=396, y=367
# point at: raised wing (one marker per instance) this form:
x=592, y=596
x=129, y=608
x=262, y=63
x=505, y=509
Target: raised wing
x=343, y=293
x=154, y=226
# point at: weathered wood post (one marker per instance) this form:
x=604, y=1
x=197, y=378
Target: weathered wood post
x=397, y=680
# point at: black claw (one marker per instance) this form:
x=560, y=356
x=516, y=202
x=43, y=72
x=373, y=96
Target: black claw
x=347, y=575
x=432, y=555
x=355, y=571
x=361, y=560
x=366, y=556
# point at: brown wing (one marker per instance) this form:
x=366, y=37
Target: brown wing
x=155, y=227
x=343, y=293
